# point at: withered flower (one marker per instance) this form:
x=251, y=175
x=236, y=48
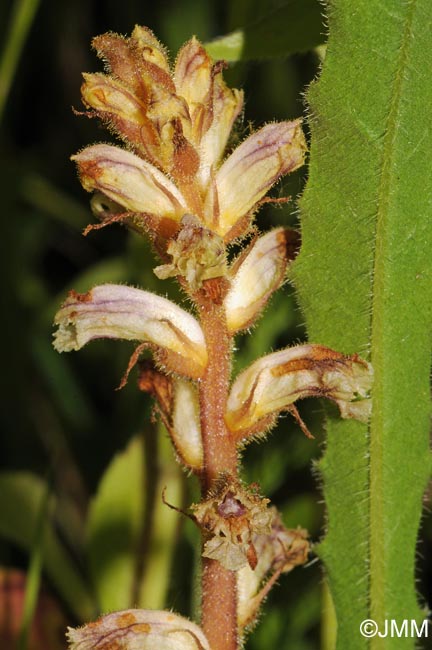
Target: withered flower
x=278, y=551
x=230, y=518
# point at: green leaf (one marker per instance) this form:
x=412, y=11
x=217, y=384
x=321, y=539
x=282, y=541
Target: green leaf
x=114, y=527
x=21, y=496
x=34, y=572
x=294, y=26
x=21, y=20
x=155, y=579
x=364, y=280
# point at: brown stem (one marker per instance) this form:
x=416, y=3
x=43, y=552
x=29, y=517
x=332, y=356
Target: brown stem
x=219, y=586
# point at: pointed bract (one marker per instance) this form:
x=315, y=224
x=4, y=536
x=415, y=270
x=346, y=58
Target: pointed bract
x=120, y=312
x=193, y=73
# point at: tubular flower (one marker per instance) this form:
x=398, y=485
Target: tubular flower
x=138, y=629
x=177, y=122
x=115, y=311
x=276, y=381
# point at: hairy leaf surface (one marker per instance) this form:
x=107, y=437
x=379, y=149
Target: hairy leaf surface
x=364, y=280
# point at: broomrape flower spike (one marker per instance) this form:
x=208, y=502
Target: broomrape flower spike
x=171, y=182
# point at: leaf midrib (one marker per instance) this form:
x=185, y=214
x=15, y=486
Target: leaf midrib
x=379, y=329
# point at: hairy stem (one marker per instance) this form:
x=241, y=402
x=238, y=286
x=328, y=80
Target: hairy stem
x=219, y=592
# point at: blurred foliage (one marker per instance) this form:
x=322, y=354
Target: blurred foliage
x=61, y=414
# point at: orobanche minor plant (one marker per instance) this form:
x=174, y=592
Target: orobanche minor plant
x=172, y=184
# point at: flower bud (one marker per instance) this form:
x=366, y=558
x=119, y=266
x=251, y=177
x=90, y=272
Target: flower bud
x=226, y=106
x=108, y=95
x=149, y=47
x=193, y=74
x=116, y=311
x=276, y=381
x=213, y=106
x=139, y=61
x=256, y=275
x=138, y=629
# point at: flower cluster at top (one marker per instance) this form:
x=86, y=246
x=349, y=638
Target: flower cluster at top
x=176, y=125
